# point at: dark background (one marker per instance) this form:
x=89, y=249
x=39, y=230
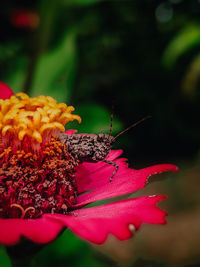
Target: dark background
x=140, y=56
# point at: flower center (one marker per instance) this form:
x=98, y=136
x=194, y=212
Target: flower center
x=31, y=184
x=26, y=123
x=36, y=170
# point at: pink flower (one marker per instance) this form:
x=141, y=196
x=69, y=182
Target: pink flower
x=24, y=18
x=92, y=184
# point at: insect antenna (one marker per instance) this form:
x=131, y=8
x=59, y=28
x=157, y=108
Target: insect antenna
x=131, y=126
x=111, y=120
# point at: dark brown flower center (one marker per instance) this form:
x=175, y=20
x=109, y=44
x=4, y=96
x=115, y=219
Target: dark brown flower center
x=34, y=184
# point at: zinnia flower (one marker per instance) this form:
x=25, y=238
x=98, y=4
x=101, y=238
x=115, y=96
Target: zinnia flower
x=44, y=190
x=24, y=18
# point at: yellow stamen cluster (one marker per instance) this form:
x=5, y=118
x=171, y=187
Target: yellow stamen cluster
x=36, y=117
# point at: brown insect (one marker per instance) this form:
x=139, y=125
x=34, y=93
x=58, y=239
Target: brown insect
x=93, y=148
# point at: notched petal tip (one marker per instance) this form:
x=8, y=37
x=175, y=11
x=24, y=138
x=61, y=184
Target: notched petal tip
x=95, y=224
x=126, y=180
x=158, y=169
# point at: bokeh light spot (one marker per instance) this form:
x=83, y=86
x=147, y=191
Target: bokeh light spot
x=164, y=12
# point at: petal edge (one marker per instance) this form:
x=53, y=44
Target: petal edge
x=5, y=91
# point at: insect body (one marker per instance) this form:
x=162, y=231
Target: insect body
x=93, y=148
x=90, y=148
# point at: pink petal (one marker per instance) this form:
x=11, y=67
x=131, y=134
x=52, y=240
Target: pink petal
x=38, y=230
x=125, y=181
x=5, y=91
x=94, y=224
x=91, y=175
x=70, y=131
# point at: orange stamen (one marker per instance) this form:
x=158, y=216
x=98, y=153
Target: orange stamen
x=37, y=118
x=29, y=208
x=19, y=207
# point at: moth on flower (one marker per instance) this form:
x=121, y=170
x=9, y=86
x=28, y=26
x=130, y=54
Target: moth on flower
x=44, y=189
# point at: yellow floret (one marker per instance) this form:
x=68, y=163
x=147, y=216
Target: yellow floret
x=36, y=117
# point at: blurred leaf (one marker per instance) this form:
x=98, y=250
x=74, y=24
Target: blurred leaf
x=67, y=248
x=55, y=70
x=4, y=259
x=17, y=77
x=190, y=81
x=9, y=50
x=88, y=260
x=62, y=248
x=96, y=119
x=183, y=41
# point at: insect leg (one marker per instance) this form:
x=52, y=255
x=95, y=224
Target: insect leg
x=113, y=164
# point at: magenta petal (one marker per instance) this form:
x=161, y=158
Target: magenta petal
x=38, y=230
x=70, y=131
x=91, y=175
x=125, y=181
x=114, y=154
x=5, y=91
x=94, y=224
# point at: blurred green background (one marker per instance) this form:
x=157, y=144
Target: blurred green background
x=143, y=57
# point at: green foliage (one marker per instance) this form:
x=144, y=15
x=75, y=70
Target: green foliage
x=55, y=70
x=191, y=79
x=184, y=41
x=16, y=78
x=96, y=119
x=8, y=51
x=4, y=259
x=68, y=249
